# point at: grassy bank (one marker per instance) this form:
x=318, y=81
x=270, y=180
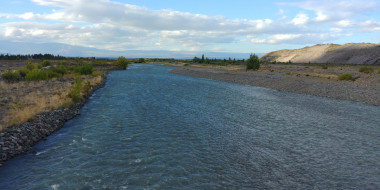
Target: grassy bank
x=40, y=86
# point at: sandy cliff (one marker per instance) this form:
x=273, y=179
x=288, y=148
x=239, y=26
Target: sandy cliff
x=352, y=53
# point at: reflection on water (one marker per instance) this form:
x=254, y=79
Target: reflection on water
x=151, y=129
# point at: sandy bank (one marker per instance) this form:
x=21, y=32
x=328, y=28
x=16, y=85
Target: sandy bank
x=293, y=79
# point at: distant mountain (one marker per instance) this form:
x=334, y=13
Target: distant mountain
x=79, y=51
x=351, y=53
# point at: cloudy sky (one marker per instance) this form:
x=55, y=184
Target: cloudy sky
x=239, y=26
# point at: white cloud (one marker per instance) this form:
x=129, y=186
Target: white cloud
x=321, y=17
x=345, y=23
x=106, y=24
x=300, y=19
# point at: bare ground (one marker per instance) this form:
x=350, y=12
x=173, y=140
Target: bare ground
x=312, y=80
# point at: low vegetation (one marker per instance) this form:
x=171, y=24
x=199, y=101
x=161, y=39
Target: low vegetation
x=36, y=75
x=346, y=76
x=366, y=69
x=32, y=89
x=85, y=69
x=75, y=93
x=11, y=76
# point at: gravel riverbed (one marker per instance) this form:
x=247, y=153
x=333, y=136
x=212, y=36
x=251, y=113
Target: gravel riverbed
x=368, y=93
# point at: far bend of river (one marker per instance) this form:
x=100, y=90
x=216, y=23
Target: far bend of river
x=150, y=129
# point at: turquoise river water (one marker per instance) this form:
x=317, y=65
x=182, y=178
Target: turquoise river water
x=150, y=129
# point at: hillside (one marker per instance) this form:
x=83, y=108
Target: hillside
x=352, y=53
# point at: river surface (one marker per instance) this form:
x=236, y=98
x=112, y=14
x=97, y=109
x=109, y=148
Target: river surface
x=150, y=129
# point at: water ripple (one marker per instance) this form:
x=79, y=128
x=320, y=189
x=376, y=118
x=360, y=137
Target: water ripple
x=154, y=130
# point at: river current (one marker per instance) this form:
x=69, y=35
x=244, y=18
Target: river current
x=150, y=129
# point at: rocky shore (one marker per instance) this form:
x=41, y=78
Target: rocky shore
x=19, y=139
x=365, y=89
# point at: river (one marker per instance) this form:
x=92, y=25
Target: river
x=150, y=129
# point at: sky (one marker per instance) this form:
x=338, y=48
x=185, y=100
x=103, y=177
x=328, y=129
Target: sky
x=238, y=26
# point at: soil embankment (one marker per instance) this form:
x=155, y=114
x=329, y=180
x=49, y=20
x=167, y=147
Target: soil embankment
x=351, y=53
x=311, y=80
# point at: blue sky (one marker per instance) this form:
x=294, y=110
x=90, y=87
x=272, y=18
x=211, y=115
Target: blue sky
x=239, y=26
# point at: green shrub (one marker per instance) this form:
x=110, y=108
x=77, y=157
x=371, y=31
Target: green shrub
x=30, y=66
x=36, y=75
x=45, y=63
x=61, y=70
x=141, y=60
x=11, y=76
x=325, y=67
x=122, y=62
x=75, y=93
x=86, y=69
x=253, y=62
x=366, y=69
x=52, y=74
x=288, y=73
x=346, y=76
x=378, y=72
x=186, y=65
x=23, y=72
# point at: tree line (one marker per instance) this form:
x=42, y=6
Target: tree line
x=31, y=56
x=252, y=63
x=215, y=61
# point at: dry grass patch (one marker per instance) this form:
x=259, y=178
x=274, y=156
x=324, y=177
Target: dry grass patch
x=21, y=101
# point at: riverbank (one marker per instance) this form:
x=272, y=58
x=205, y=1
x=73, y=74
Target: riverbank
x=19, y=139
x=311, y=80
x=32, y=110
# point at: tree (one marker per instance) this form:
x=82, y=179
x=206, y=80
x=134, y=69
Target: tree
x=141, y=60
x=203, y=58
x=122, y=62
x=196, y=60
x=253, y=62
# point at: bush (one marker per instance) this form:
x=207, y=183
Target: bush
x=325, y=67
x=366, y=69
x=52, y=74
x=75, y=93
x=11, y=76
x=141, y=60
x=122, y=62
x=253, y=62
x=61, y=70
x=378, y=72
x=86, y=69
x=36, y=75
x=23, y=72
x=45, y=63
x=346, y=76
